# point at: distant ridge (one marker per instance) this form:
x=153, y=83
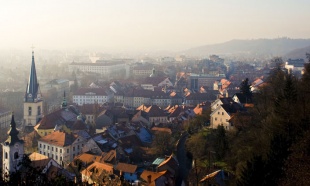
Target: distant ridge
x=298, y=53
x=276, y=47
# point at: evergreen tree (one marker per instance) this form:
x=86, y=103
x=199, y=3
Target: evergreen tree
x=245, y=88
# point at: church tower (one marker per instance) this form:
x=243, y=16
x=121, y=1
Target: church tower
x=33, y=103
x=13, y=151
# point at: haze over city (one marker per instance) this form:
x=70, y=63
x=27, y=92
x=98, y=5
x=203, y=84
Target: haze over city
x=147, y=25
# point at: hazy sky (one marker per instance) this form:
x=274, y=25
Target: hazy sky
x=147, y=24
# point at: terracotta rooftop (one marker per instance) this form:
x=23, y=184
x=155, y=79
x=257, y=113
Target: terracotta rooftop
x=159, y=129
x=58, y=138
x=38, y=160
x=91, y=169
x=124, y=167
x=153, y=175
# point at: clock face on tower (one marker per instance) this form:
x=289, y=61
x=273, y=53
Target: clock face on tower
x=30, y=95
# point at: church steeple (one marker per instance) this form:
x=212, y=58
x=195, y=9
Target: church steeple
x=64, y=101
x=33, y=85
x=13, y=133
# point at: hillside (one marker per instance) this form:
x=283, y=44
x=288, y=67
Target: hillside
x=298, y=53
x=279, y=47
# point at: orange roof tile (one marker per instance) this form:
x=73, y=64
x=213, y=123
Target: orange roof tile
x=154, y=175
x=124, y=167
x=58, y=138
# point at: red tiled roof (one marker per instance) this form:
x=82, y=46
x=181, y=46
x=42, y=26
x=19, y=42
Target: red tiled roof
x=58, y=138
x=128, y=168
x=159, y=129
x=153, y=175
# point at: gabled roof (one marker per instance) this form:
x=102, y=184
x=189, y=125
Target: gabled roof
x=97, y=168
x=125, y=167
x=155, y=111
x=58, y=117
x=153, y=175
x=171, y=161
x=154, y=80
x=226, y=100
x=58, y=138
x=39, y=160
x=91, y=91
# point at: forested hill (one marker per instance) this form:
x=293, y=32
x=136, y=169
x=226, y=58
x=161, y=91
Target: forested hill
x=275, y=47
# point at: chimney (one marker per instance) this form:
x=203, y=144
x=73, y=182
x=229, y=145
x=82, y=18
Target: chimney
x=149, y=179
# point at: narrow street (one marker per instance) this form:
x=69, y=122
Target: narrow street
x=182, y=158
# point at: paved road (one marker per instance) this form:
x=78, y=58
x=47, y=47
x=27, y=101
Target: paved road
x=182, y=158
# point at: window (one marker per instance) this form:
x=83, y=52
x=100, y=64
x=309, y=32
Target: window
x=56, y=157
x=53, y=156
x=48, y=154
x=78, y=147
x=222, y=113
x=60, y=158
x=60, y=150
x=16, y=155
x=52, y=148
x=40, y=145
x=43, y=153
x=29, y=111
x=39, y=110
x=56, y=149
x=67, y=150
x=73, y=148
x=215, y=118
x=218, y=113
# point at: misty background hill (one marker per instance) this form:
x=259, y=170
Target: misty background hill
x=298, y=53
x=275, y=47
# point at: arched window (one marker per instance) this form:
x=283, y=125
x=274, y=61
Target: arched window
x=6, y=155
x=16, y=155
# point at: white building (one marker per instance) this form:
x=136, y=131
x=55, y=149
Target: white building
x=13, y=151
x=106, y=69
x=61, y=146
x=92, y=96
x=5, y=118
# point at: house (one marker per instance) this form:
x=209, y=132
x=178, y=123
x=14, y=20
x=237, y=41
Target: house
x=150, y=83
x=92, y=96
x=220, y=101
x=171, y=164
x=49, y=166
x=128, y=171
x=61, y=146
x=58, y=119
x=222, y=114
x=157, y=178
x=96, y=173
x=156, y=115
